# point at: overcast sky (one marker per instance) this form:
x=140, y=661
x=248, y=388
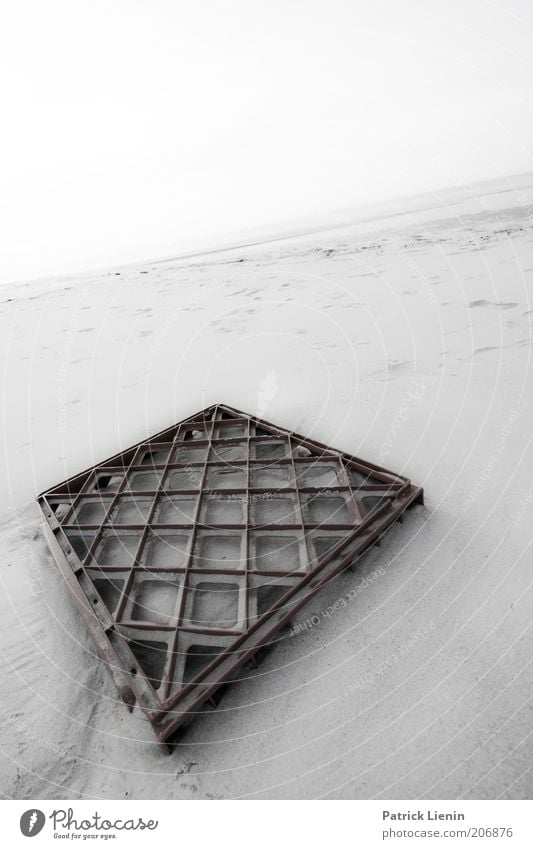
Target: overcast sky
x=130, y=126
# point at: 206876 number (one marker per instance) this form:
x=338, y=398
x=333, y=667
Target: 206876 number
x=490, y=832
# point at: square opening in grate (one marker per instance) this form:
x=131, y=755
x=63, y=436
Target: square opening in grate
x=166, y=549
x=175, y=510
x=131, y=511
x=192, y=432
x=218, y=550
x=107, y=482
x=153, y=456
x=117, y=548
x=326, y=508
x=110, y=591
x=272, y=509
x=151, y=656
x=272, y=476
x=322, y=542
x=186, y=453
x=359, y=478
x=316, y=474
x=155, y=600
x=229, y=431
x=80, y=543
x=91, y=511
x=198, y=657
x=374, y=502
x=144, y=481
x=223, y=509
x=60, y=508
x=273, y=551
x=225, y=452
x=268, y=595
x=214, y=605
x=226, y=477
x=274, y=450
x=189, y=478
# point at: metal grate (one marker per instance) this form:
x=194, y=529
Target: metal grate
x=187, y=553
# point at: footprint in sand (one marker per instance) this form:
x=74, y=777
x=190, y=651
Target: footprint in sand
x=395, y=366
x=502, y=305
x=484, y=350
x=519, y=344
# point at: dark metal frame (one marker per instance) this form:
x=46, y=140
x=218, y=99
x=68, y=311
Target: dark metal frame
x=194, y=659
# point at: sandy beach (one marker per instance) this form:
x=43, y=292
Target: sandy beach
x=404, y=339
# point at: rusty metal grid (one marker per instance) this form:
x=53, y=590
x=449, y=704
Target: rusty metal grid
x=187, y=553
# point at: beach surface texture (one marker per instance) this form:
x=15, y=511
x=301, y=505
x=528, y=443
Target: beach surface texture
x=402, y=337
